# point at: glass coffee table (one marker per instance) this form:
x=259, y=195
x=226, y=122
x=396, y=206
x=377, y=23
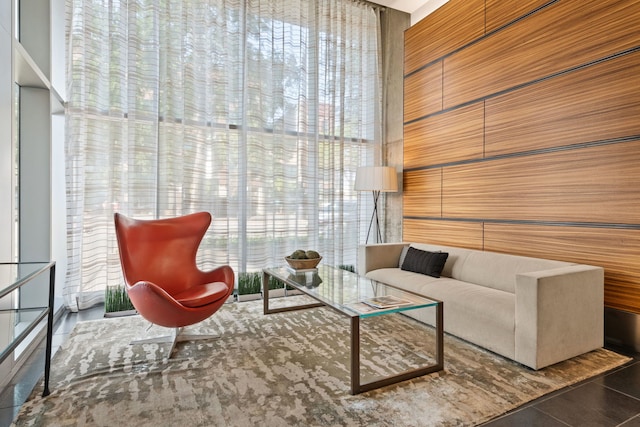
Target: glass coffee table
x=357, y=298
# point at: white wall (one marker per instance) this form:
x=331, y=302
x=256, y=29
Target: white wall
x=6, y=168
x=58, y=202
x=6, y=122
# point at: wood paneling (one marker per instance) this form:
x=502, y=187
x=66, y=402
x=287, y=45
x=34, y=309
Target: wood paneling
x=563, y=35
x=422, y=193
x=501, y=12
x=451, y=26
x=595, y=103
x=449, y=137
x=617, y=250
x=449, y=233
x=536, y=148
x=423, y=92
x=597, y=184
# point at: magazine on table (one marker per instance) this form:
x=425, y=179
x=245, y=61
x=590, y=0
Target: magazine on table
x=387, y=301
x=360, y=307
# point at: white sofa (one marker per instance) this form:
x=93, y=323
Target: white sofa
x=535, y=311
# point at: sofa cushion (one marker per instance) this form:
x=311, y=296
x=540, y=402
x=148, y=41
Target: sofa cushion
x=498, y=271
x=479, y=314
x=403, y=279
x=424, y=262
x=490, y=269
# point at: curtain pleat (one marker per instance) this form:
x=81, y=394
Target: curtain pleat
x=258, y=111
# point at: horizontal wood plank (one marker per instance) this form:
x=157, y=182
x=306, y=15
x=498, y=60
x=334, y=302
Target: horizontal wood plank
x=422, y=193
x=616, y=250
x=563, y=35
x=502, y=12
x=453, y=25
x=598, y=184
x=593, y=104
x=423, y=92
x=448, y=233
x=448, y=137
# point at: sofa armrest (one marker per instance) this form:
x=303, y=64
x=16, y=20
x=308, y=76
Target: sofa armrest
x=380, y=255
x=559, y=314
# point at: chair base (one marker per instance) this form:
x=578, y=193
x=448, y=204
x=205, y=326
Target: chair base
x=175, y=337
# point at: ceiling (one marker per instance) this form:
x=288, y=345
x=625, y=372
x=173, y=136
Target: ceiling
x=417, y=8
x=408, y=6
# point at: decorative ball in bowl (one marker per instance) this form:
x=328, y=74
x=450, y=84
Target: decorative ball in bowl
x=296, y=261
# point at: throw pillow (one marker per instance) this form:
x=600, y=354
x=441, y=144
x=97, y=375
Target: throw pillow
x=425, y=262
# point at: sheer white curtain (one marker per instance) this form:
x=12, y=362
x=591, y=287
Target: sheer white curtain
x=258, y=111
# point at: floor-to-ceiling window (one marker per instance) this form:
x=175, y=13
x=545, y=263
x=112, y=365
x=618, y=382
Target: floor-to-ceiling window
x=258, y=111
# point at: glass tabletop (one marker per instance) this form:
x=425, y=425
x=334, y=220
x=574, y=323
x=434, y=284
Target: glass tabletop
x=348, y=292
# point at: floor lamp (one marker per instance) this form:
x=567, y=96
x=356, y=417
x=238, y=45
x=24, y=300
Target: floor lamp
x=377, y=179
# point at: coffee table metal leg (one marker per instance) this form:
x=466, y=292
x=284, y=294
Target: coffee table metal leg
x=265, y=298
x=358, y=387
x=355, y=355
x=265, y=292
x=439, y=336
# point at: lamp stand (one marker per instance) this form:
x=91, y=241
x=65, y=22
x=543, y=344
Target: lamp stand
x=376, y=179
x=374, y=214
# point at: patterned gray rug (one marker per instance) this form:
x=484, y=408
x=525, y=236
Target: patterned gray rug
x=288, y=369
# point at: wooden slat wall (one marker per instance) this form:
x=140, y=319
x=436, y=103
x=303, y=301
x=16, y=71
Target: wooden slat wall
x=450, y=233
x=425, y=87
x=502, y=12
x=453, y=25
x=563, y=35
x=593, y=104
x=523, y=136
x=422, y=193
x=598, y=184
x=453, y=136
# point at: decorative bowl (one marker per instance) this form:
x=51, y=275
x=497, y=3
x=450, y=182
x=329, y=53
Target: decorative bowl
x=302, y=264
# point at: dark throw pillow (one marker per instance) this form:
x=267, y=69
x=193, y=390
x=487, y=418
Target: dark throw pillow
x=424, y=262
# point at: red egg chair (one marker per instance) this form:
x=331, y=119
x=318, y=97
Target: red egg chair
x=164, y=284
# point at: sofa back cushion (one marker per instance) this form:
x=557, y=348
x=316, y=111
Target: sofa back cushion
x=490, y=269
x=499, y=271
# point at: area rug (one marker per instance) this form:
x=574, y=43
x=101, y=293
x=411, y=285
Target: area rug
x=286, y=369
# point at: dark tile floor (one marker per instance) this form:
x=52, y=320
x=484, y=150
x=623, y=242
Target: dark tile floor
x=611, y=399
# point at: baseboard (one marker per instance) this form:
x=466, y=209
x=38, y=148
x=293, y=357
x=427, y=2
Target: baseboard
x=622, y=328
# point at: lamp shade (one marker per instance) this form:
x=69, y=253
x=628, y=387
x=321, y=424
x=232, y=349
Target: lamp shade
x=376, y=178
